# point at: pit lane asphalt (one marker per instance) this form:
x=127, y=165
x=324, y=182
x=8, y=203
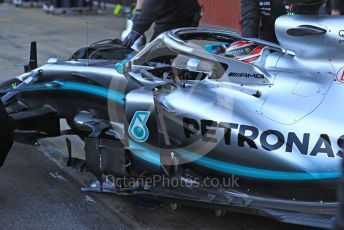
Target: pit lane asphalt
x=36, y=190
x=36, y=194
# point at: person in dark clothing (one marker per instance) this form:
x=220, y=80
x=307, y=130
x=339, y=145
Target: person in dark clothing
x=167, y=15
x=337, y=7
x=326, y=8
x=309, y=10
x=307, y=7
x=258, y=18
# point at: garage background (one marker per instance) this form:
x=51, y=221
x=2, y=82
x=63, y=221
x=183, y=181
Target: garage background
x=219, y=13
x=222, y=13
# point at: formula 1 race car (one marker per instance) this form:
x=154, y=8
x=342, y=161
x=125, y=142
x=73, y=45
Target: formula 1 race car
x=195, y=109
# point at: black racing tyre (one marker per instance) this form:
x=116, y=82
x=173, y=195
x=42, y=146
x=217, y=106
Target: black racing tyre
x=339, y=224
x=6, y=134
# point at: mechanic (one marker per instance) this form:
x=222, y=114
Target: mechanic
x=337, y=7
x=167, y=15
x=307, y=7
x=138, y=10
x=326, y=9
x=259, y=16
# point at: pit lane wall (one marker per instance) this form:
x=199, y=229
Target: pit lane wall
x=222, y=13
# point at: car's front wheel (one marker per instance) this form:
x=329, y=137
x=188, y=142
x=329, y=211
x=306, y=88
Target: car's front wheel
x=6, y=134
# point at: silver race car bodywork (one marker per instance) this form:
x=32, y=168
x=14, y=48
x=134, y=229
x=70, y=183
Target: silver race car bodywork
x=179, y=111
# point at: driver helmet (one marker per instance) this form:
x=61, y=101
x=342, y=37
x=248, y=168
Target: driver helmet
x=246, y=51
